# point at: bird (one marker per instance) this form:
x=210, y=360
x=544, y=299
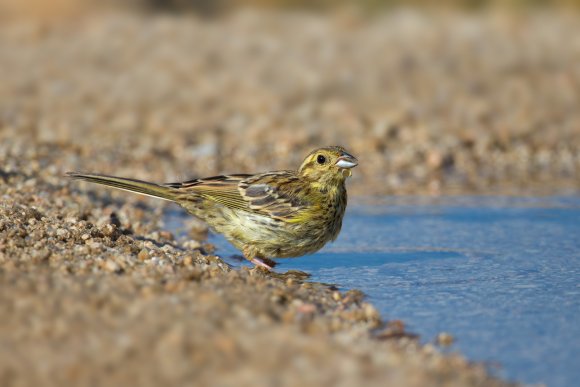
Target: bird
x=278, y=214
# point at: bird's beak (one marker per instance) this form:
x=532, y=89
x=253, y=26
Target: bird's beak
x=346, y=161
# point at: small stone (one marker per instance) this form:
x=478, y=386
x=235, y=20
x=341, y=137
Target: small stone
x=445, y=339
x=62, y=233
x=429, y=349
x=41, y=255
x=111, y=266
x=371, y=312
x=143, y=255
x=84, y=237
x=95, y=245
x=166, y=235
x=434, y=159
x=108, y=230
x=192, y=245
x=153, y=235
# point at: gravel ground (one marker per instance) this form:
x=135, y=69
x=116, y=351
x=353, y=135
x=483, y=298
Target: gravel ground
x=94, y=290
x=429, y=104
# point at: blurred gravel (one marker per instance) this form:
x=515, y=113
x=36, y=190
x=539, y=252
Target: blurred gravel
x=430, y=103
x=94, y=290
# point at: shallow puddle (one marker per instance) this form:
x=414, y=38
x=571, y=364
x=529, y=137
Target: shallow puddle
x=502, y=275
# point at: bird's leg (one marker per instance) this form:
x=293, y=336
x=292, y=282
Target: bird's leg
x=252, y=256
x=259, y=262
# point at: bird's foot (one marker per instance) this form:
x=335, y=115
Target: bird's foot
x=258, y=262
x=266, y=263
x=252, y=255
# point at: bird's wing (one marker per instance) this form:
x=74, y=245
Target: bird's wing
x=219, y=189
x=279, y=195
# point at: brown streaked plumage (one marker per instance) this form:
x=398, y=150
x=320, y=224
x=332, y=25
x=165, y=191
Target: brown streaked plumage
x=277, y=214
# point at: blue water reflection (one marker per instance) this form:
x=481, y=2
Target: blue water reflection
x=501, y=274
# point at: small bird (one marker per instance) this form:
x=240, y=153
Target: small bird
x=278, y=214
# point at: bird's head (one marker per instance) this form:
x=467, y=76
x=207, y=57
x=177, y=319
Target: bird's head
x=328, y=165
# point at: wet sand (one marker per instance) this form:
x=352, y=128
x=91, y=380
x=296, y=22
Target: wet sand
x=95, y=290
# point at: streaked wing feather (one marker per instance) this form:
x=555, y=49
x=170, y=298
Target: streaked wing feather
x=221, y=189
x=273, y=194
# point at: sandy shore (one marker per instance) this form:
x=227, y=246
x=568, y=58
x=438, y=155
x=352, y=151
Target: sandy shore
x=95, y=290
x=92, y=291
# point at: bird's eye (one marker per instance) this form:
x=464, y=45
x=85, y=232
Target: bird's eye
x=321, y=159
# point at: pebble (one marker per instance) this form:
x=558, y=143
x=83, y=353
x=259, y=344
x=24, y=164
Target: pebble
x=95, y=245
x=371, y=313
x=111, y=266
x=445, y=339
x=143, y=255
x=167, y=248
x=108, y=230
x=166, y=235
x=192, y=244
x=62, y=233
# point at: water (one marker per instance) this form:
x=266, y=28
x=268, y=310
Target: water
x=501, y=274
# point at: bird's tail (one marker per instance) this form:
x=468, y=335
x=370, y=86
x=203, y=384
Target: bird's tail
x=131, y=185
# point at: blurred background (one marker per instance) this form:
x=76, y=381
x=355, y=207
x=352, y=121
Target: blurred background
x=462, y=97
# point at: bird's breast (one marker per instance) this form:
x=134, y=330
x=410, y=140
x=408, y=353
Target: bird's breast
x=312, y=227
